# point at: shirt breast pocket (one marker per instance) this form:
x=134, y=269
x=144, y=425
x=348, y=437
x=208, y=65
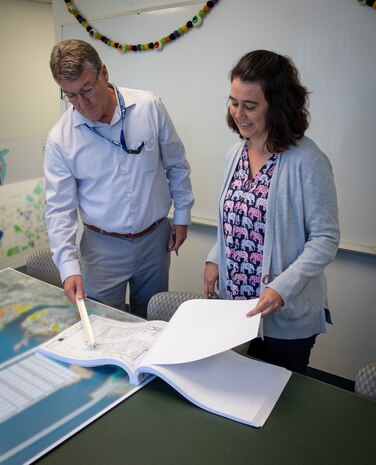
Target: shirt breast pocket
x=150, y=156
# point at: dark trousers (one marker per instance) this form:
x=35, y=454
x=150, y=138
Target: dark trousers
x=292, y=354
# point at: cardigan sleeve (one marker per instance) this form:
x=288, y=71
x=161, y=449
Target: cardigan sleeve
x=305, y=229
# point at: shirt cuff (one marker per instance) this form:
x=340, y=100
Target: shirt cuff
x=69, y=269
x=182, y=217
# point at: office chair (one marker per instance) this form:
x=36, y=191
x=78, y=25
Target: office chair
x=164, y=304
x=365, y=381
x=40, y=265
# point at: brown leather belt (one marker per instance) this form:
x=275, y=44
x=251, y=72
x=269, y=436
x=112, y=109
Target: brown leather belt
x=127, y=236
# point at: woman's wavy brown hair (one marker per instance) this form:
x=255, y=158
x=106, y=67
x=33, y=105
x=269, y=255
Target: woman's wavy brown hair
x=287, y=117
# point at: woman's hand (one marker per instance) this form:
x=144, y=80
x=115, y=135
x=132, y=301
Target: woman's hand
x=270, y=301
x=211, y=275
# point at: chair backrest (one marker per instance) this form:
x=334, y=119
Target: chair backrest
x=365, y=381
x=164, y=304
x=40, y=265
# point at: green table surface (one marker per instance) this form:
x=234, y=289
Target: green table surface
x=312, y=423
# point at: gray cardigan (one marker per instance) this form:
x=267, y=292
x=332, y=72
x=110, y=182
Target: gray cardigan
x=301, y=238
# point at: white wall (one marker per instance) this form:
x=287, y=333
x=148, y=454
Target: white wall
x=198, y=111
x=350, y=342
x=28, y=95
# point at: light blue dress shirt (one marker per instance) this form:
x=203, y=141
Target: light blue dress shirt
x=111, y=189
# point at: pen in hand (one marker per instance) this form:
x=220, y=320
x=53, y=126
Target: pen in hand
x=86, y=322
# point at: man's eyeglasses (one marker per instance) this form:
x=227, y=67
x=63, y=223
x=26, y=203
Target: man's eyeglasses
x=85, y=93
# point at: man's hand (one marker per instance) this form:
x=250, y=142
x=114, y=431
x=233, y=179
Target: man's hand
x=73, y=288
x=270, y=301
x=211, y=275
x=177, y=236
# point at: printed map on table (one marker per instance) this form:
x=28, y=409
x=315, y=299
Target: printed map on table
x=43, y=402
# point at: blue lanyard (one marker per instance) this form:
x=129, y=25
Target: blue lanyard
x=122, y=144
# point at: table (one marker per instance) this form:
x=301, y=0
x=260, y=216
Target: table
x=312, y=422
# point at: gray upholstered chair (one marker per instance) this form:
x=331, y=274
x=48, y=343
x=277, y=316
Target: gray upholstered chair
x=40, y=265
x=164, y=304
x=365, y=381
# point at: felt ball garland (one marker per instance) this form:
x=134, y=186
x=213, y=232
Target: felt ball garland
x=371, y=3
x=158, y=44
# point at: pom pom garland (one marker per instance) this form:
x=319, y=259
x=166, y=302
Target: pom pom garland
x=371, y=3
x=158, y=44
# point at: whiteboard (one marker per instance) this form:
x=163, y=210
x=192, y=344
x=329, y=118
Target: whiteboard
x=332, y=43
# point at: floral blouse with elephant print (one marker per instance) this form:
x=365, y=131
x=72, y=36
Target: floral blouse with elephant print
x=244, y=219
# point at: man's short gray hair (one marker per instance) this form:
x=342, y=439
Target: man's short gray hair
x=69, y=58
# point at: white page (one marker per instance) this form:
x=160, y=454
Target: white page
x=228, y=384
x=201, y=328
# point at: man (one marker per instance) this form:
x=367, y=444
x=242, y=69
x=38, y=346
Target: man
x=115, y=157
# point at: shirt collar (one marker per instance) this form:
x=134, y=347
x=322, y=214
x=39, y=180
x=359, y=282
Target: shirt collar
x=129, y=100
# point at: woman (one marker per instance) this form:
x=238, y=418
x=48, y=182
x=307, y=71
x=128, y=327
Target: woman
x=278, y=219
